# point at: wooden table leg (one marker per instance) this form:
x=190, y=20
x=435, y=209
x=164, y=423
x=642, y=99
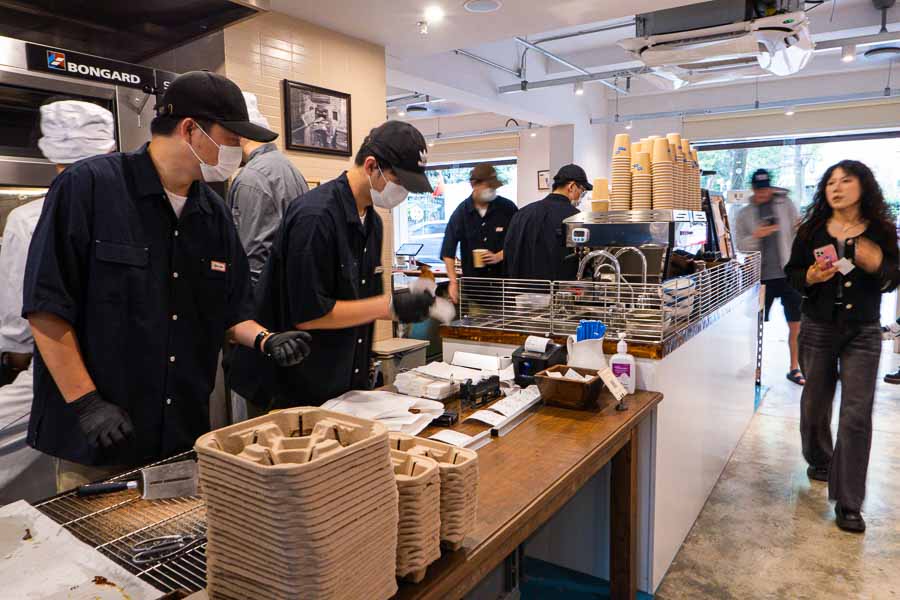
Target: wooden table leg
x=623, y=522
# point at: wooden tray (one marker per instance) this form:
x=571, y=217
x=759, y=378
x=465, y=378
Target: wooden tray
x=567, y=393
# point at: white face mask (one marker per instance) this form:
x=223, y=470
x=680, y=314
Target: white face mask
x=488, y=195
x=229, y=161
x=392, y=194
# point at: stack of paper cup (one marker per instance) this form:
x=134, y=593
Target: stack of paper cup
x=641, y=182
x=691, y=176
x=663, y=172
x=620, y=198
x=698, y=193
x=678, y=160
x=600, y=196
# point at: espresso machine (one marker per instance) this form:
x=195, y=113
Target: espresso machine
x=639, y=244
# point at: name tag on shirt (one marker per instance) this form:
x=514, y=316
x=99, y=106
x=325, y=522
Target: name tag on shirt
x=219, y=266
x=499, y=229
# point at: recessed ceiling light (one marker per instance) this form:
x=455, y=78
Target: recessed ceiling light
x=401, y=113
x=482, y=6
x=579, y=88
x=790, y=111
x=534, y=134
x=434, y=14
x=629, y=124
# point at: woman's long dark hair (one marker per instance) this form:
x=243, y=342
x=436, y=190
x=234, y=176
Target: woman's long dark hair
x=871, y=204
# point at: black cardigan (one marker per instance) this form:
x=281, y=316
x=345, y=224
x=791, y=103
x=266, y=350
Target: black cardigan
x=861, y=291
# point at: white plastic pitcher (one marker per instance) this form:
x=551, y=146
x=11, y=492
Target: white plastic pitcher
x=586, y=354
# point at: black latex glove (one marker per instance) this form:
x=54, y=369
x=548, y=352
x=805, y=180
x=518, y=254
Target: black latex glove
x=104, y=424
x=412, y=307
x=288, y=348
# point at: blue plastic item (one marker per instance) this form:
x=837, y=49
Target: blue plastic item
x=590, y=330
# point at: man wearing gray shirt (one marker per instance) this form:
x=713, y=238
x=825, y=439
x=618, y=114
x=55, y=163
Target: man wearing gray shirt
x=261, y=193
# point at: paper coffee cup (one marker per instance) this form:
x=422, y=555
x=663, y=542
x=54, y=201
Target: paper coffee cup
x=599, y=205
x=622, y=145
x=478, y=257
x=601, y=189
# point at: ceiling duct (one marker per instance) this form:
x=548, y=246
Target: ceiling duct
x=772, y=45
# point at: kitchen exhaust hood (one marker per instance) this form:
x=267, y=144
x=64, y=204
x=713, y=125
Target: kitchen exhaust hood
x=128, y=30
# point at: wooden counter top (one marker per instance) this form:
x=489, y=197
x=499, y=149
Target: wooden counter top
x=528, y=475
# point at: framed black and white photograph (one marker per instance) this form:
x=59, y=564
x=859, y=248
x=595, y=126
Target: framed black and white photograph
x=316, y=119
x=543, y=180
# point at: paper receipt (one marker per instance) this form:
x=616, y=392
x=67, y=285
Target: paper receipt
x=486, y=416
x=454, y=438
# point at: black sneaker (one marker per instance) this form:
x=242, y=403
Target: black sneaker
x=817, y=473
x=893, y=377
x=849, y=520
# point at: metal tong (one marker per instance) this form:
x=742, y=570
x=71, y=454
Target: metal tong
x=163, y=547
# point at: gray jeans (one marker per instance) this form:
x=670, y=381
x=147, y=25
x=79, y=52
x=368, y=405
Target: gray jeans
x=849, y=352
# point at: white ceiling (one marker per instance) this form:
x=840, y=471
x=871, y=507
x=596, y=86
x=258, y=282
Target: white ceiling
x=392, y=23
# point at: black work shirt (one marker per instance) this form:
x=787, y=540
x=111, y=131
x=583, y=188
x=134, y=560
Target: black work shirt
x=149, y=295
x=852, y=297
x=467, y=228
x=535, y=245
x=322, y=254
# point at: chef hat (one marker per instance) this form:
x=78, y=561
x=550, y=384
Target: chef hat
x=73, y=130
x=256, y=117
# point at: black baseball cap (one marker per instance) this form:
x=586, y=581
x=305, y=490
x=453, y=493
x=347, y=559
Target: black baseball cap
x=210, y=96
x=572, y=173
x=403, y=147
x=761, y=179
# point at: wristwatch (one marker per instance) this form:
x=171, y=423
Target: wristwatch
x=257, y=342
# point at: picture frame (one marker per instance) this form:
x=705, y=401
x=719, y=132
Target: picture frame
x=317, y=120
x=543, y=180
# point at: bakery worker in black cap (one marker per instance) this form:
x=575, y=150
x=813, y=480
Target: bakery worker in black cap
x=324, y=275
x=135, y=276
x=535, y=246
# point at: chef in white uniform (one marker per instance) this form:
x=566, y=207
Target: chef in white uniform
x=71, y=130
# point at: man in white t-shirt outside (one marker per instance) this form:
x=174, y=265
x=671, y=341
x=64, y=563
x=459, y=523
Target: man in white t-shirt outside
x=71, y=130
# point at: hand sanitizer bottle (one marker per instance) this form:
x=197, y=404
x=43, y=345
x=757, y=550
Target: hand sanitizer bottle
x=623, y=366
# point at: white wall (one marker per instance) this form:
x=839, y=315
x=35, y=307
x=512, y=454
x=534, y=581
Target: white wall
x=534, y=156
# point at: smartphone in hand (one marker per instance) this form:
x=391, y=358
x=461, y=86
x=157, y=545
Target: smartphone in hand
x=826, y=256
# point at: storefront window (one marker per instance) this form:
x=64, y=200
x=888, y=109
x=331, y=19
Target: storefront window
x=797, y=165
x=423, y=218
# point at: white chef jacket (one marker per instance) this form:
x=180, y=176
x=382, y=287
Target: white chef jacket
x=15, y=333
x=24, y=473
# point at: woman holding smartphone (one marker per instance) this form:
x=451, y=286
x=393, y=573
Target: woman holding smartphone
x=843, y=259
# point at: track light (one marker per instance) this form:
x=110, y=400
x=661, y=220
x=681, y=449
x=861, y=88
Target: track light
x=423, y=27
x=848, y=53
x=629, y=124
x=579, y=88
x=790, y=111
x=401, y=113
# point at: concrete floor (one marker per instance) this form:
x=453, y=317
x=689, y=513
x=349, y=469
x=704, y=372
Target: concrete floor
x=767, y=531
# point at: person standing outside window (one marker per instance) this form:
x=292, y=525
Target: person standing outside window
x=325, y=275
x=840, y=338
x=767, y=226
x=71, y=130
x=135, y=276
x=480, y=222
x=535, y=246
x=261, y=192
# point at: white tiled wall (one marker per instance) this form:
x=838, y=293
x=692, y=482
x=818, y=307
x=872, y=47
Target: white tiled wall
x=262, y=52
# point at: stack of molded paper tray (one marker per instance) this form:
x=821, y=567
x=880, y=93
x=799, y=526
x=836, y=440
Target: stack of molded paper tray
x=459, y=484
x=419, y=528
x=301, y=503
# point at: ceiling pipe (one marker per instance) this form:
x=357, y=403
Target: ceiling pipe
x=601, y=76
x=566, y=64
x=481, y=132
x=736, y=108
x=565, y=36
x=488, y=62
